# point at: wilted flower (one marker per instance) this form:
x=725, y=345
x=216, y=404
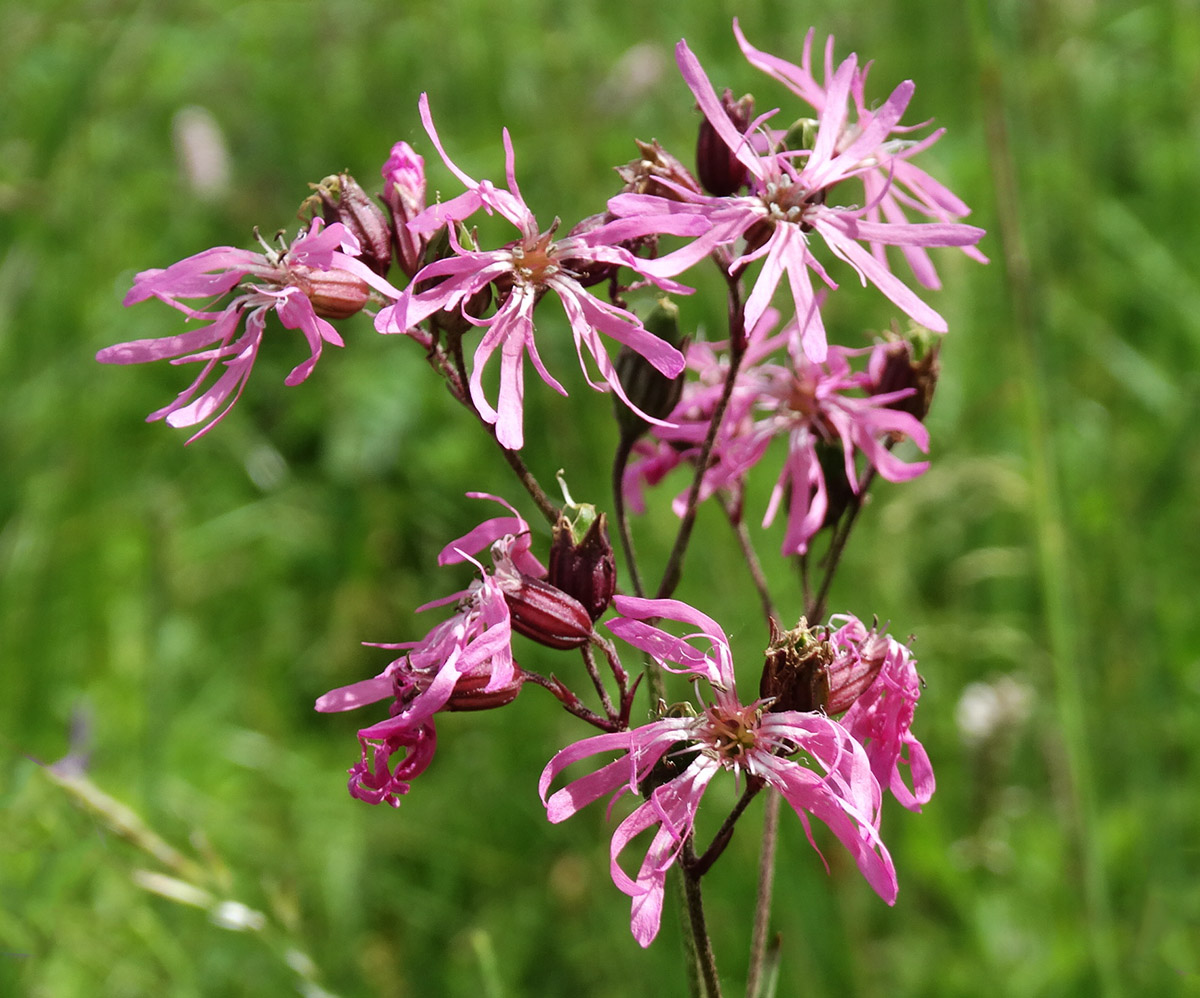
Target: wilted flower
x=880, y=716
x=464, y=663
x=672, y=760
x=315, y=278
x=523, y=271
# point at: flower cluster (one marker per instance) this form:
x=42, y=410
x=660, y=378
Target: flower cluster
x=830, y=729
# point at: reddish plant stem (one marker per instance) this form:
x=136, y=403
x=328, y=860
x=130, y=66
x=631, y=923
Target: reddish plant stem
x=570, y=701
x=737, y=349
x=454, y=371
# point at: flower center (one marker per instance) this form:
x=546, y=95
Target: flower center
x=731, y=736
x=534, y=262
x=788, y=201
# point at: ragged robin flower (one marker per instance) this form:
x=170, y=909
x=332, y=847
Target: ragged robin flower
x=306, y=283
x=814, y=762
x=526, y=269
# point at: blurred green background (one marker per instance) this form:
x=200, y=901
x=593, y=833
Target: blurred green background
x=180, y=608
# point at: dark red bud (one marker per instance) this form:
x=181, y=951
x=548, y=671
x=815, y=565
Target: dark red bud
x=343, y=200
x=335, y=294
x=470, y=693
x=547, y=615
x=647, y=387
x=586, y=570
x=900, y=368
x=719, y=169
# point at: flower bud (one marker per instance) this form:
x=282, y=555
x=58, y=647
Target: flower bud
x=898, y=363
x=801, y=135
x=839, y=492
x=546, y=614
x=719, y=169
x=796, y=672
x=404, y=194
x=647, y=387
x=643, y=176
x=452, y=321
x=584, y=566
x=592, y=272
x=335, y=294
x=343, y=200
x=470, y=693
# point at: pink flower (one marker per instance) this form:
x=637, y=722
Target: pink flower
x=891, y=183
x=523, y=271
x=787, y=201
x=672, y=760
x=814, y=406
x=881, y=717
x=313, y=279
x=464, y=663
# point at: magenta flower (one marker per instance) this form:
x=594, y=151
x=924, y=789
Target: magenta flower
x=881, y=716
x=813, y=406
x=672, y=760
x=313, y=279
x=891, y=183
x=523, y=272
x=788, y=201
x=464, y=663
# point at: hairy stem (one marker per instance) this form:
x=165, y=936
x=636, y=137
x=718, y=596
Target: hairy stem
x=766, y=882
x=695, y=907
x=751, y=556
x=620, y=461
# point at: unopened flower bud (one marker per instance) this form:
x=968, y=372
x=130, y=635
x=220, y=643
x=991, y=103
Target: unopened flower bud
x=546, y=614
x=719, y=169
x=453, y=321
x=470, y=693
x=591, y=272
x=897, y=364
x=839, y=492
x=335, y=294
x=644, y=175
x=582, y=563
x=343, y=200
x=796, y=672
x=404, y=194
x=801, y=135
x=647, y=387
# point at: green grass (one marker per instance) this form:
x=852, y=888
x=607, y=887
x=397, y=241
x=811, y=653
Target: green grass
x=191, y=603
